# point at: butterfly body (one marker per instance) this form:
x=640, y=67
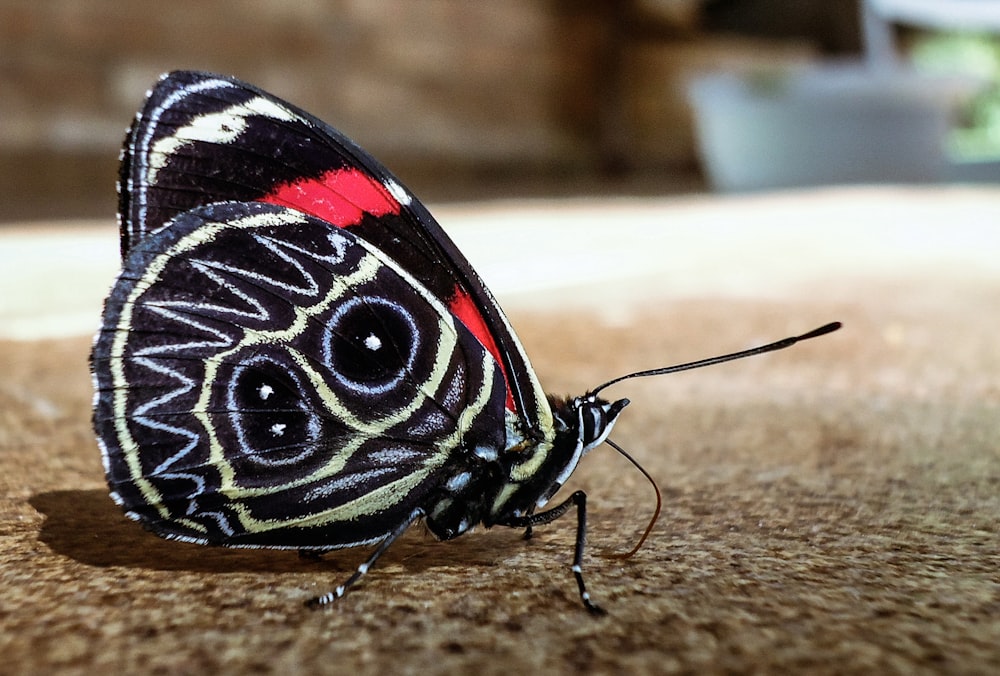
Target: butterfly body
x=296, y=356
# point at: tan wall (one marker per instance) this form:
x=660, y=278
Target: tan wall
x=460, y=86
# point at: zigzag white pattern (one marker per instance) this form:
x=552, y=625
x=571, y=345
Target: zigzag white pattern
x=150, y=358
x=140, y=414
x=162, y=308
x=190, y=318
x=333, y=238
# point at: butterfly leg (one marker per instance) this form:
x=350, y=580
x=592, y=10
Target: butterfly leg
x=579, y=498
x=332, y=596
x=528, y=532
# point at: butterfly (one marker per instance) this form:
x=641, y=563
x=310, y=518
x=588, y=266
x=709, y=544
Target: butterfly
x=296, y=356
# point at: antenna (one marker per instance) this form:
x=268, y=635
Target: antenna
x=770, y=347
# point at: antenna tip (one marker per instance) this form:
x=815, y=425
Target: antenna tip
x=821, y=331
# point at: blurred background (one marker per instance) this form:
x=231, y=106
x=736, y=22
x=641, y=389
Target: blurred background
x=640, y=182
x=467, y=100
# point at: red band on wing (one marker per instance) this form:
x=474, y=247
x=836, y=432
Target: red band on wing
x=341, y=197
x=463, y=307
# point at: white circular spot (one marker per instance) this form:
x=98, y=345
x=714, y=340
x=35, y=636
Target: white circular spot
x=253, y=442
x=388, y=310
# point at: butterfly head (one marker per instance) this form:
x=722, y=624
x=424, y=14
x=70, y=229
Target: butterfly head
x=581, y=424
x=591, y=419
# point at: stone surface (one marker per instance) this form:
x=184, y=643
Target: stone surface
x=833, y=508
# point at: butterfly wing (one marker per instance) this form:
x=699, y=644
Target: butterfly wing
x=204, y=138
x=265, y=379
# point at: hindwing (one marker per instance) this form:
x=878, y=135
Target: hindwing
x=204, y=138
x=265, y=379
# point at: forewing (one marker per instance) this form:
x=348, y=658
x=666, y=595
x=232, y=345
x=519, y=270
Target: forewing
x=204, y=138
x=265, y=379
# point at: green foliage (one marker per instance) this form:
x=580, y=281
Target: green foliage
x=977, y=134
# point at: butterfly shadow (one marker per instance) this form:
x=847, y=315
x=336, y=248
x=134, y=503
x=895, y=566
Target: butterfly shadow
x=87, y=527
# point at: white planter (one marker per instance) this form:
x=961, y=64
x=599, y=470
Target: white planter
x=831, y=124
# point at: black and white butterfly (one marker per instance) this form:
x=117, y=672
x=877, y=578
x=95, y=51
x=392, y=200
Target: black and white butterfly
x=295, y=355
